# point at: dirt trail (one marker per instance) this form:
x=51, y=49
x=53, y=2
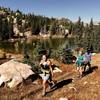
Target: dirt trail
x=68, y=85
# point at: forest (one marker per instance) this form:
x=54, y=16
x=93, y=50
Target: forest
x=85, y=34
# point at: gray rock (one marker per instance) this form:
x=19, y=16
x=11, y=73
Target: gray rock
x=13, y=73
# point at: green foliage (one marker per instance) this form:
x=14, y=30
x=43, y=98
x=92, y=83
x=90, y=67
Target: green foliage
x=85, y=35
x=63, y=54
x=78, y=29
x=32, y=22
x=52, y=29
x=31, y=63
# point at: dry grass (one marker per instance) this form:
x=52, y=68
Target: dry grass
x=86, y=88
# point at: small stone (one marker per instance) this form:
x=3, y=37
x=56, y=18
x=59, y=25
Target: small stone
x=63, y=98
x=85, y=82
x=73, y=88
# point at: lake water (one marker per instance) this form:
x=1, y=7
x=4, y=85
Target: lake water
x=31, y=44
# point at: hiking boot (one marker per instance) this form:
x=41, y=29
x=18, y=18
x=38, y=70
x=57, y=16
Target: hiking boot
x=44, y=93
x=53, y=85
x=80, y=76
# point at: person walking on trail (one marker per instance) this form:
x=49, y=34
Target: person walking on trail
x=87, y=59
x=47, y=72
x=79, y=63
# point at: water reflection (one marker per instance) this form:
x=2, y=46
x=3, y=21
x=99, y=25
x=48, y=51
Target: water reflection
x=31, y=44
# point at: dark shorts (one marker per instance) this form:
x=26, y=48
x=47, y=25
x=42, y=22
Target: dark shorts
x=87, y=63
x=79, y=64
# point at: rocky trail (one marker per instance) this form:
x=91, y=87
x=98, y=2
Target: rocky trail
x=68, y=86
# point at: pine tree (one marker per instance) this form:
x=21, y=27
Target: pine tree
x=0, y=27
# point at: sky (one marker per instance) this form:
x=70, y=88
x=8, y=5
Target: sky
x=70, y=9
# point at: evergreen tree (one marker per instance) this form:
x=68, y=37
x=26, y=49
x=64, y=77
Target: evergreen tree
x=5, y=29
x=0, y=27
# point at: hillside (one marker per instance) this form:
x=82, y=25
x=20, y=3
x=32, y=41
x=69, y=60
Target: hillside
x=68, y=85
x=15, y=24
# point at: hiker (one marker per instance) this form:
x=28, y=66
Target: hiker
x=79, y=63
x=87, y=60
x=47, y=72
